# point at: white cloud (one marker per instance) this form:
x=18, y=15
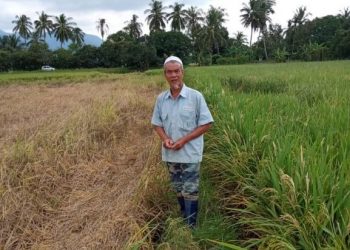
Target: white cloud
x=116, y=12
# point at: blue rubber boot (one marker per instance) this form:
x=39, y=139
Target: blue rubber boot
x=181, y=202
x=191, y=210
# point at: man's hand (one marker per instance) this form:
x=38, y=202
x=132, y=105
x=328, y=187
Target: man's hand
x=194, y=134
x=178, y=144
x=168, y=143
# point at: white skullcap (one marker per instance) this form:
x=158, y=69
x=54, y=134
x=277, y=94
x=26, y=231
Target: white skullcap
x=173, y=58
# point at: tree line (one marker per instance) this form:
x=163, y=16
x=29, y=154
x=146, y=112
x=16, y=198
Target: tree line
x=195, y=35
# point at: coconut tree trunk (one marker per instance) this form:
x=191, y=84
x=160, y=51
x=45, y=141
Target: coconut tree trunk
x=217, y=48
x=250, y=43
x=265, y=47
x=251, y=36
x=263, y=32
x=293, y=34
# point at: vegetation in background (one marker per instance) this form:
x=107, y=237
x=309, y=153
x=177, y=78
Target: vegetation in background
x=196, y=36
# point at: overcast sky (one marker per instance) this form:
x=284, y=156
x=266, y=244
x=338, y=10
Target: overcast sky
x=116, y=12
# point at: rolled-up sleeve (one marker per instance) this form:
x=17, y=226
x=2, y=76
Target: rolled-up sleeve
x=204, y=116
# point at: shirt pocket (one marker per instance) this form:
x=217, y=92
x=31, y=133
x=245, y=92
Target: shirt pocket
x=187, y=120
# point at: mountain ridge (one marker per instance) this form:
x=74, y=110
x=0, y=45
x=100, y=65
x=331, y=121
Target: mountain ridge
x=54, y=44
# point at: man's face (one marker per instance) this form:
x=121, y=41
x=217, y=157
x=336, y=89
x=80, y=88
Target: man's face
x=174, y=75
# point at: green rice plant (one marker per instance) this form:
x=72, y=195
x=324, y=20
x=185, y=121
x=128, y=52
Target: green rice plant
x=177, y=235
x=310, y=96
x=255, y=85
x=227, y=245
x=280, y=160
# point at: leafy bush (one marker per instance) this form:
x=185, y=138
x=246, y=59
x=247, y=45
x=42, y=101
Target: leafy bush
x=281, y=55
x=5, y=63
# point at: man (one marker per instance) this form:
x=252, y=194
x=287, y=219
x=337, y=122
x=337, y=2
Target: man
x=180, y=118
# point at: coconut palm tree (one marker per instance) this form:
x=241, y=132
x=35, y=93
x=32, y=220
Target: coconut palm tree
x=345, y=13
x=265, y=9
x=250, y=17
x=194, y=18
x=240, y=38
x=177, y=17
x=133, y=27
x=10, y=42
x=78, y=36
x=156, y=18
x=35, y=39
x=102, y=27
x=23, y=27
x=213, y=31
x=300, y=17
x=62, y=28
x=256, y=14
x=43, y=25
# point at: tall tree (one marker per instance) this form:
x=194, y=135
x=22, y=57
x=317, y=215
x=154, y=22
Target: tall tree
x=23, y=27
x=35, y=39
x=63, y=28
x=265, y=8
x=274, y=41
x=345, y=13
x=156, y=18
x=10, y=42
x=194, y=18
x=78, y=36
x=300, y=18
x=240, y=38
x=256, y=14
x=43, y=25
x=250, y=17
x=213, y=32
x=102, y=27
x=133, y=27
x=177, y=17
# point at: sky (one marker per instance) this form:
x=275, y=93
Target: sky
x=116, y=12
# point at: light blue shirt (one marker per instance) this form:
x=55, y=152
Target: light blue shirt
x=179, y=117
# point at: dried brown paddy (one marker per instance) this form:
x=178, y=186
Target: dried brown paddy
x=71, y=159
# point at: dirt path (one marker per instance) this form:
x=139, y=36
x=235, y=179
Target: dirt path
x=72, y=157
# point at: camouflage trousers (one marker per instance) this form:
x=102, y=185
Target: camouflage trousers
x=185, y=179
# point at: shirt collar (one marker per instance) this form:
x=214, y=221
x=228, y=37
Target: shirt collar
x=183, y=92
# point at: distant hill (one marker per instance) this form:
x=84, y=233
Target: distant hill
x=88, y=39
x=3, y=33
x=54, y=44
